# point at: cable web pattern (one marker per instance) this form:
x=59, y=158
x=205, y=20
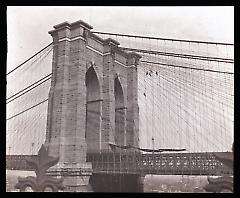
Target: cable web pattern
x=185, y=93
x=27, y=94
x=185, y=96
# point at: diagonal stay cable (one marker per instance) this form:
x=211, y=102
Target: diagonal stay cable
x=29, y=59
x=27, y=109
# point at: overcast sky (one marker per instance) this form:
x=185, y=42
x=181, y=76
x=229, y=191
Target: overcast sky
x=28, y=27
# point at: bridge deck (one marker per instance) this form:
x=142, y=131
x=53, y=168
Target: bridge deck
x=137, y=163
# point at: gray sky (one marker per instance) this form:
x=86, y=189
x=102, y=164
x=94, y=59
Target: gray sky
x=28, y=32
x=27, y=27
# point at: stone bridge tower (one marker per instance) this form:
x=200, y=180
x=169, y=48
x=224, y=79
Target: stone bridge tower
x=92, y=100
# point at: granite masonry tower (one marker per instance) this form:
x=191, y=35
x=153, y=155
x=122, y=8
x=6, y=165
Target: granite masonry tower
x=92, y=102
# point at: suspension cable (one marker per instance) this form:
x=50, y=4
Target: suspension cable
x=159, y=38
x=193, y=68
x=29, y=59
x=192, y=56
x=28, y=90
x=27, y=109
x=45, y=78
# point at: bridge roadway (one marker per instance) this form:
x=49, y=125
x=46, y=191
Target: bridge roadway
x=139, y=163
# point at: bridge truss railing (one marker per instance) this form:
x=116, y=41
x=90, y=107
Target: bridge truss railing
x=160, y=164
x=139, y=163
x=18, y=162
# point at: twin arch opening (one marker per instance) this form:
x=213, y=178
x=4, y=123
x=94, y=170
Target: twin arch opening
x=94, y=112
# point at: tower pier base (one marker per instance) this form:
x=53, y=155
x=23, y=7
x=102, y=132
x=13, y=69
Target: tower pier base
x=76, y=176
x=116, y=182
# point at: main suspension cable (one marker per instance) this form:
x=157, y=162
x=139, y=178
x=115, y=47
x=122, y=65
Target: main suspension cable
x=45, y=78
x=27, y=109
x=192, y=68
x=29, y=59
x=191, y=56
x=165, y=39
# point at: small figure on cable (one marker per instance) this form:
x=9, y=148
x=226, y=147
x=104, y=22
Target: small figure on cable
x=150, y=73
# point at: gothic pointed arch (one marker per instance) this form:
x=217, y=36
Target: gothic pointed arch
x=93, y=113
x=120, y=112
